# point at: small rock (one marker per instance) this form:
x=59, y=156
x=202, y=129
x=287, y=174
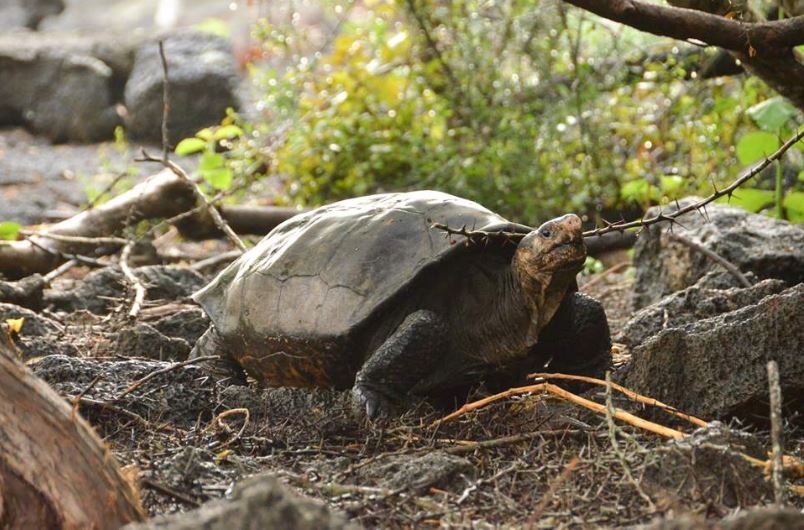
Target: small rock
x=418, y=473
x=142, y=340
x=63, y=93
x=203, y=83
x=770, y=248
x=187, y=324
x=716, y=367
x=708, y=467
x=692, y=304
x=765, y=518
x=27, y=13
x=257, y=502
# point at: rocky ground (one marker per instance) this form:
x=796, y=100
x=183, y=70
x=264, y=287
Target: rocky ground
x=699, y=344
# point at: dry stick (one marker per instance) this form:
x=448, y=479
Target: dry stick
x=176, y=169
x=717, y=258
x=616, y=446
x=621, y=415
x=136, y=284
x=600, y=277
x=776, y=433
x=217, y=420
x=170, y=492
x=212, y=261
x=175, y=366
x=58, y=271
x=629, y=393
x=551, y=491
x=165, y=100
x=116, y=241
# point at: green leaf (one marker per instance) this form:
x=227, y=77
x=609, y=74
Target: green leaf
x=671, y=183
x=227, y=132
x=211, y=161
x=205, y=134
x=220, y=178
x=772, y=114
x=801, y=177
x=189, y=146
x=750, y=199
x=638, y=191
x=9, y=230
x=794, y=204
x=755, y=146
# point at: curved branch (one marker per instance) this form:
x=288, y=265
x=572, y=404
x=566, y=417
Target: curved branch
x=761, y=38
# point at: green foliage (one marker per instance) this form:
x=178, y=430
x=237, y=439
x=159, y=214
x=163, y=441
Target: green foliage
x=529, y=108
x=9, y=230
x=213, y=166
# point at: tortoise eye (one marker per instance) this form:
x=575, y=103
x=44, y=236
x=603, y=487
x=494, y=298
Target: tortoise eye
x=546, y=233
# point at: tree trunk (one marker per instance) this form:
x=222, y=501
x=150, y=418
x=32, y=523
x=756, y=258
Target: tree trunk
x=55, y=473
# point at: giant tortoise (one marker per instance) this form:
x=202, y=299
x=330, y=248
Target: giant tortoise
x=364, y=293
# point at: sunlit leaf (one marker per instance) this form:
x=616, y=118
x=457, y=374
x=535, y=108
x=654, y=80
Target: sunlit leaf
x=671, y=183
x=15, y=324
x=190, y=146
x=794, y=204
x=755, y=146
x=772, y=114
x=9, y=230
x=750, y=199
x=227, y=132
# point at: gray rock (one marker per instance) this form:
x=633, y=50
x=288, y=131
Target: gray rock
x=716, y=367
x=257, y=502
x=188, y=324
x=417, y=474
x=692, y=304
x=27, y=13
x=142, y=340
x=57, y=89
x=708, y=466
x=768, y=247
x=764, y=518
x=203, y=83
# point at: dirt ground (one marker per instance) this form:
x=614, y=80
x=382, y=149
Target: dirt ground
x=529, y=461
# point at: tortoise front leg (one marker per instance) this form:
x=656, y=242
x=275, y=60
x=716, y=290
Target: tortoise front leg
x=404, y=359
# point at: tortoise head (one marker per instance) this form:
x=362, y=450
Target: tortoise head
x=545, y=264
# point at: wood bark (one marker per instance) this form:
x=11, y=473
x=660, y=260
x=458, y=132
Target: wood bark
x=765, y=48
x=55, y=473
x=162, y=195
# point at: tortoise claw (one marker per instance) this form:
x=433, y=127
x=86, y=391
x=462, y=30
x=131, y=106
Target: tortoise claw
x=373, y=404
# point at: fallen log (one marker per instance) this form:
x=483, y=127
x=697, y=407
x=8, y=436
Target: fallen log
x=163, y=195
x=54, y=471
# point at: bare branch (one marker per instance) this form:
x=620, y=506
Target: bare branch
x=760, y=38
x=717, y=258
x=136, y=284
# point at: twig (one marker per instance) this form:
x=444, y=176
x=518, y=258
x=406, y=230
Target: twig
x=616, y=446
x=176, y=169
x=165, y=100
x=551, y=491
x=58, y=271
x=170, y=492
x=175, y=366
x=217, y=421
x=112, y=241
x=629, y=393
x=77, y=399
x=621, y=415
x=776, y=433
x=717, y=258
x=600, y=277
x=136, y=284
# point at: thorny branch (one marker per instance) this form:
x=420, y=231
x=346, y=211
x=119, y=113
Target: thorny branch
x=481, y=236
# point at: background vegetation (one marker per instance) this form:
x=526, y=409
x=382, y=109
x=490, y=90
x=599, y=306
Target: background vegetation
x=529, y=107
